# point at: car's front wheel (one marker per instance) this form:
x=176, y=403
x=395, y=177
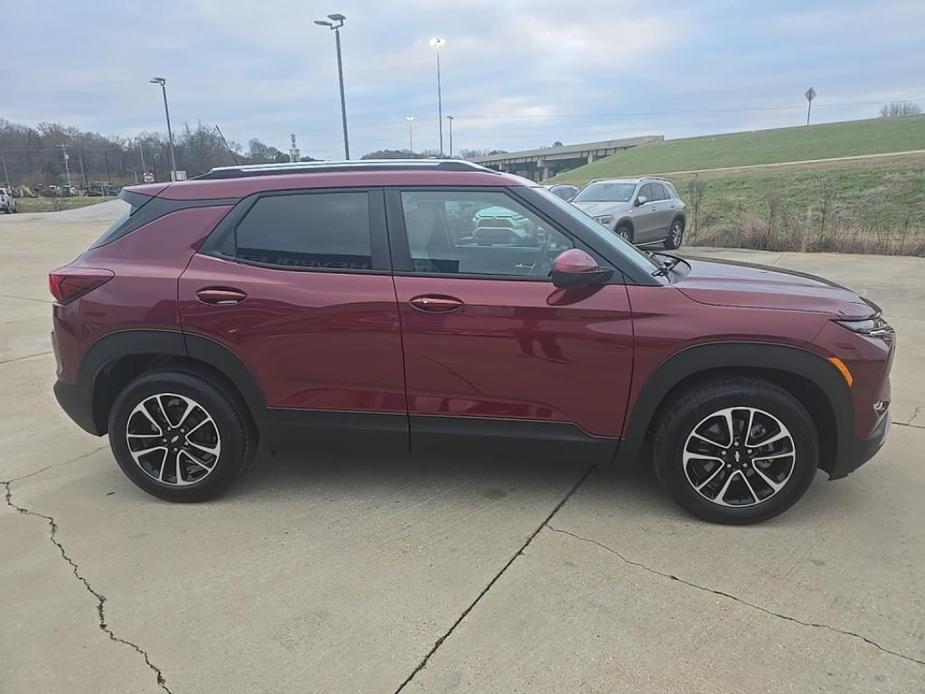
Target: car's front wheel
x=180, y=436
x=736, y=451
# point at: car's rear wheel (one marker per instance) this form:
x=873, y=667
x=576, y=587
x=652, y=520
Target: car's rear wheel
x=675, y=235
x=179, y=436
x=625, y=231
x=736, y=451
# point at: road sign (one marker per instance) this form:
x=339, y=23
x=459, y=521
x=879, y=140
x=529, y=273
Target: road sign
x=810, y=94
x=149, y=177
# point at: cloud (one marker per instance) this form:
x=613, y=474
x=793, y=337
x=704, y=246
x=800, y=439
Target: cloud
x=519, y=73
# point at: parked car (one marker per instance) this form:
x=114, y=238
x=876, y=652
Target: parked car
x=346, y=304
x=644, y=211
x=8, y=204
x=566, y=191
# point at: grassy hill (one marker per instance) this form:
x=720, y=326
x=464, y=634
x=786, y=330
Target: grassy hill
x=858, y=205
x=760, y=147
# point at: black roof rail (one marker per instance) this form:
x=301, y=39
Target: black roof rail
x=248, y=170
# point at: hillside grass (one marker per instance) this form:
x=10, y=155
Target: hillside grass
x=875, y=205
x=826, y=141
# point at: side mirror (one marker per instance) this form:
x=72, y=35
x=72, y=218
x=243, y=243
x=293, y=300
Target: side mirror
x=575, y=268
x=641, y=200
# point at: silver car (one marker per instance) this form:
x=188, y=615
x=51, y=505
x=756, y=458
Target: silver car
x=644, y=211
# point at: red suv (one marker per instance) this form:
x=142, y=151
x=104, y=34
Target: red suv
x=408, y=303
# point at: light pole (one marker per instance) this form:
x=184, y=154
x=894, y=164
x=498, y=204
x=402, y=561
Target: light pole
x=436, y=42
x=450, y=118
x=173, y=157
x=410, y=120
x=337, y=21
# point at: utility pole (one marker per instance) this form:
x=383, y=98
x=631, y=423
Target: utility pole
x=450, y=118
x=67, y=168
x=410, y=120
x=141, y=151
x=83, y=171
x=6, y=173
x=337, y=21
x=106, y=161
x=294, y=152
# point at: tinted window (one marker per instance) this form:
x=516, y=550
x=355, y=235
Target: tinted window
x=658, y=190
x=314, y=230
x=646, y=191
x=476, y=233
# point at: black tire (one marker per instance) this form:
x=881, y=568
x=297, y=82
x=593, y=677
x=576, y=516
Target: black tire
x=675, y=235
x=236, y=437
x=624, y=230
x=693, y=409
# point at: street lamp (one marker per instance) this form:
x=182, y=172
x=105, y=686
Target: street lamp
x=410, y=120
x=436, y=42
x=450, y=119
x=173, y=158
x=337, y=21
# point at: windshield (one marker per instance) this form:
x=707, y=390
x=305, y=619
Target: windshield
x=618, y=243
x=606, y=192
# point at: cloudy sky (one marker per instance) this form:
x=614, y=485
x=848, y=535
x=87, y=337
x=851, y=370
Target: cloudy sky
x=516, y=73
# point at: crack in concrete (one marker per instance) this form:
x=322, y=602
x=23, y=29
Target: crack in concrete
x=100, y=598
x=439, y=642
x=54, y=465
x=915, y=414
x=729, y=596
x=26, y=356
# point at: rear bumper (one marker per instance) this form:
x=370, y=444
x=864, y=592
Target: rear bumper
x=859, y=450
x=78, y=404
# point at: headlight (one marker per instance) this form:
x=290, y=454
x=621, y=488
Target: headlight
x=874, y=326
x=605, y=219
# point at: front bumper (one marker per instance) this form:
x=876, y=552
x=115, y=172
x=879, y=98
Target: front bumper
x=860, y=450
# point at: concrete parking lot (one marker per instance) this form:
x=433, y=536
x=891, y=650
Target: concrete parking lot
x=491, y=575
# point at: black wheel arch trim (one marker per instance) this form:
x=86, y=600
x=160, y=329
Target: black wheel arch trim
x=158, y=343
x=715, y=356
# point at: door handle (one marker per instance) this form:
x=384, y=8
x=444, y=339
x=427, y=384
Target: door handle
x=433, y=303
x=221, y=295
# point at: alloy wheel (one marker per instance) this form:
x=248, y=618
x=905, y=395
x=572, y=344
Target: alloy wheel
x=677, y=230
x=173, y=439
x=739, y=456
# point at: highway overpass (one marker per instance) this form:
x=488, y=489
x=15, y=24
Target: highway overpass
x=540, y=164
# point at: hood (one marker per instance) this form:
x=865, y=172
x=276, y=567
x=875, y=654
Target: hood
x=597, y=209
x=732, y=283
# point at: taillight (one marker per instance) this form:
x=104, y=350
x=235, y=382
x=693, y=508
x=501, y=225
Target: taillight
x=68, y=284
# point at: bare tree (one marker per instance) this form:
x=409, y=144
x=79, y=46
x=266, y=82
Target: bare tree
x=696, y=188
x=898, y=109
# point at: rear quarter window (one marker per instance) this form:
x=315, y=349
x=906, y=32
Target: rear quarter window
x=323, y=231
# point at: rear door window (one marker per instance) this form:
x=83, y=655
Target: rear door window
x=322, y=231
